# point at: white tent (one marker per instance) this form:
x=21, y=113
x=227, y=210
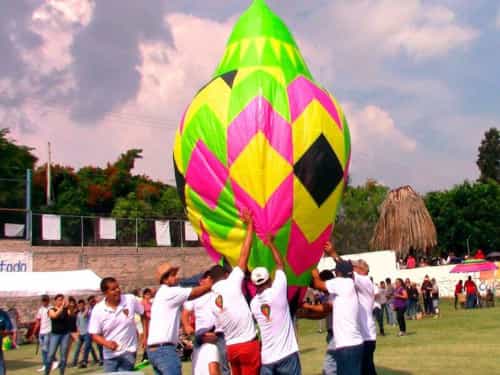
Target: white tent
x=32, y=284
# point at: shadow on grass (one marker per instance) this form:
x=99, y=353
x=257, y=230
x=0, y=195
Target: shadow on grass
x=307, y=350
x=18, y=364
x=388, y=371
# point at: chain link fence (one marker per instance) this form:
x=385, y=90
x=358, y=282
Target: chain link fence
x=85, y=231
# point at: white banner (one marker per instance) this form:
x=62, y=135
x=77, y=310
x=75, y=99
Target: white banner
x=16, y=262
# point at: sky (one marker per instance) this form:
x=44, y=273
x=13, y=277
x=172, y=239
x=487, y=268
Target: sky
x=418, y=79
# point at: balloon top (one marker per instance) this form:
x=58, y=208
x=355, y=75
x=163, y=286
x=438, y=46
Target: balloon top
x=260, y=21
x=261, y=38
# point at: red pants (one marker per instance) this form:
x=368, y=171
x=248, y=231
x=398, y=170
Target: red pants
x=244, y=358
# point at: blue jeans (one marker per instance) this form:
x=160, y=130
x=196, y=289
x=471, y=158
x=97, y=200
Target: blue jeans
x=290, y=365
x=85, y=341
x=43, y=341
x=124, y=362
x=471, y=301
x=165, y=360
x=349, y=360
x=329, y=365
x=412, y=308
x=389, y=314
x=61, y=342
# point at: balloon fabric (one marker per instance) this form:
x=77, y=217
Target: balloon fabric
x=263, y=135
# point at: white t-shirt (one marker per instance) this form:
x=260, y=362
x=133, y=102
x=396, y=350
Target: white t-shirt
x=345, y=312
x=206, y=354
x=272, y=313
x=231, y=309
x=117, y=325
x=166, y=314
x=203, y=312
x=43, y=316
x=366, y=296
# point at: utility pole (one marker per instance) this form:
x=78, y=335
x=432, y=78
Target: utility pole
x=28, y=205
x=49, y=178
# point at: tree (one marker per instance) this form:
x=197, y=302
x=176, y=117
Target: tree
x=468, y=215
x=14, y=160
x=358, y=216
x=489, y=156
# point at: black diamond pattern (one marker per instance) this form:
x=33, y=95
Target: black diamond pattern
x=229, y=77
x=319, y=170
x=180, y=181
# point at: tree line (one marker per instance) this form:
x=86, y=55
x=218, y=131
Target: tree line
x=466, y=216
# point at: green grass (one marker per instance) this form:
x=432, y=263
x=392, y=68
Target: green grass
x=459, y=343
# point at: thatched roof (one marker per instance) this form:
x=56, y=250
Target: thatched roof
x=404, y=223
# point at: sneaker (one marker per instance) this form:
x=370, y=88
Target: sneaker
x=54, y=365
x=41, y=369
x=400, y=334
x=82, y=365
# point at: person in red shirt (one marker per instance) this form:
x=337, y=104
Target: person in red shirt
x=459, y=288
x=479, y=254
x=411, y=262
x=471, y=292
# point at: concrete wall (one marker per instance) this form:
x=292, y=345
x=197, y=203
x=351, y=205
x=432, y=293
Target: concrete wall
x=133, y=268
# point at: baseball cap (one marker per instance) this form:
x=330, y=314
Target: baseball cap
x=345, y=267
x=260, y=275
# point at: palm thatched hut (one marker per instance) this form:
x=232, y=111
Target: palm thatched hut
x=404, y=224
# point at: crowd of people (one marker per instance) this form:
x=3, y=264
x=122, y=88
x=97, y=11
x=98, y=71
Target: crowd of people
x=231, y=334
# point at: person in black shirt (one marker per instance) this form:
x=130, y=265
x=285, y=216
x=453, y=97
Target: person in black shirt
x=60, y=333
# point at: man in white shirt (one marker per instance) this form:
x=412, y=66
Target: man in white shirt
x=366, y=296
x=270, y=308
x=112, y=325
x=163, y=331
x=348, y=339
x=233, y=315
x=43, y=326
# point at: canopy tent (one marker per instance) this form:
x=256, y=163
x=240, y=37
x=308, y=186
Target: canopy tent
x=31, y=284
x=469, y=267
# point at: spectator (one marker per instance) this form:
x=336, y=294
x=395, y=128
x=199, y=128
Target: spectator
x=43, y=327
x=389, y=292
x=479, y=254
x=435, y=297
x=14, y=319
x=471, y=293
x=459, y=288
x=5, y=329
x=400, y=299
x=73, y=329
x=59, y=335
x=84, y=339
x=413, y=296
x=490, y=298
x=92, y=302
x=379, y=306
x=411, y=262
x=426, y=290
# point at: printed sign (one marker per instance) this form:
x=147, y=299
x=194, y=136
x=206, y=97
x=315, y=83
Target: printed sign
x=16, y=262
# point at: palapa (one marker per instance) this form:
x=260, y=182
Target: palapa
x=404, y=223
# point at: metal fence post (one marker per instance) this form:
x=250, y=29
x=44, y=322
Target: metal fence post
x=81, y=231
x=28, y=205
x=137, y=233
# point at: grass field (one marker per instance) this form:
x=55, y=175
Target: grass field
x=459, y=343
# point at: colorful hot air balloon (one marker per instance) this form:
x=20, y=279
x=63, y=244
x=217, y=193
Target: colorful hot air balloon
x=263, y=135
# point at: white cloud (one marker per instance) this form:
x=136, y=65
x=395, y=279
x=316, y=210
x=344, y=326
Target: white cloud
x=379, y=148
x=170, y=77
x=389, y=27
